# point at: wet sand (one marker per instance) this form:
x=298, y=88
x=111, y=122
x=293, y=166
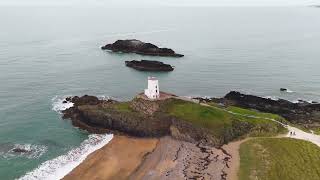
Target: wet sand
x=117, y=160
x=164, y=158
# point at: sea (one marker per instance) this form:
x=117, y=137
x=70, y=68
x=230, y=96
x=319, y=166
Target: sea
x=51, y=52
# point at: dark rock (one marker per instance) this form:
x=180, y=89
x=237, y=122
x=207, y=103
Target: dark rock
x=79, y=101
x=85, y=100
x=19, y=150
x=145, y=65
x=283, y=89
x=139, y=47
x=294, y=112
x=65, y=101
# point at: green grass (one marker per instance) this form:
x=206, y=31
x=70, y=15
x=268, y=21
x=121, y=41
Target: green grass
x=263, y=126
x=123, y=107
x=255, y=113
x=217, y=120
x=213, y=119
x=316, y=130
x=279, y=159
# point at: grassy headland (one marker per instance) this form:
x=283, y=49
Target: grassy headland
x=218, y=120
x=181, y=119
x=279, y=158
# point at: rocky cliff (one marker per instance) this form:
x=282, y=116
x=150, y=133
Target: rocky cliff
x=143, y=118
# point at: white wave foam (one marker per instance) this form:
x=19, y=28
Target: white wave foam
x=60, y=104
x=60, y=166
x=30, y=151
x=271, y=97
x=289, y=91
x=104, y=97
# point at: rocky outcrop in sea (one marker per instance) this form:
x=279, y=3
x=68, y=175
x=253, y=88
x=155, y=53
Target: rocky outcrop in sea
x=145, y=65
x=139, y=47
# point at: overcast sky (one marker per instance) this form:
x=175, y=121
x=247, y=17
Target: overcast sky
x=162, y=2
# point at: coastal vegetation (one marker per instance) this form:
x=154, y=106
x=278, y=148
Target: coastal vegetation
x=279, y=158
x=209, y=124
x=255, y=113
x=123, y=107
x=316, y=130
x=219, y=120
x=181, y=119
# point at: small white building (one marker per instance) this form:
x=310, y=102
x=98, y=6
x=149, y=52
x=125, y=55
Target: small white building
x=153, y=88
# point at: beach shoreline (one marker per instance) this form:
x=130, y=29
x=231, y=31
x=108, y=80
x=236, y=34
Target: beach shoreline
x=127, y=157
x=116, y=160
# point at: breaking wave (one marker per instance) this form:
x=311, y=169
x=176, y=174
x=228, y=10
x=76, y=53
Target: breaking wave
x=59, y=104
x=272, y=98
x=60, y=166
x=289, y=91
x=30, y=151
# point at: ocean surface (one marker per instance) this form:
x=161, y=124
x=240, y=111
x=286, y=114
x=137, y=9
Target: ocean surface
x=48, y=53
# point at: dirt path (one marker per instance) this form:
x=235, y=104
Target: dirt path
x=299, y=134
x=234, y=164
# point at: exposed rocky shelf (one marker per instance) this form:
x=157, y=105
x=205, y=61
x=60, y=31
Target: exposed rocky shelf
x=139, y=47
x=302, y=113
x=183, y=160
x=145, y=65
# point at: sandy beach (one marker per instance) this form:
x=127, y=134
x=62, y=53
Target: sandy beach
x=164, y=158
x=117, y=160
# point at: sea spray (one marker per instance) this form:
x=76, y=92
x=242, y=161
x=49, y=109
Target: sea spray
x=60, y=166
x=30, y=151
x=60, y=104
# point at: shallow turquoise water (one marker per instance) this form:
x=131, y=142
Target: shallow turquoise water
x=54, y=52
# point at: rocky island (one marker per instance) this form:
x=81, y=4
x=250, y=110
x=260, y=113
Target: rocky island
x=139, y=47
x=145, y=65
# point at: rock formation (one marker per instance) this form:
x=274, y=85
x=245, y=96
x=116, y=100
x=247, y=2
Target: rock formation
x=145, y=65
x=143, y=118
x=139, y=47
x=302, y=112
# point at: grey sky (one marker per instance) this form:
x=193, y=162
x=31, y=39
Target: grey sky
x=162, y=2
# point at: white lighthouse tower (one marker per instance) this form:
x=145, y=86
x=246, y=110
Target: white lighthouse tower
x=153, y=88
